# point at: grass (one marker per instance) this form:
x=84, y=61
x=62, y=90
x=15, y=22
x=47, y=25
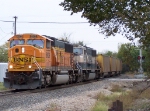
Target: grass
x=145, y=94
x=53, y=107
x=100, y=106
x=2, y=87
x=143, y=100
x=116, y=88
x=104, y=102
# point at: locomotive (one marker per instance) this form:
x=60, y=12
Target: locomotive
x=36, y=61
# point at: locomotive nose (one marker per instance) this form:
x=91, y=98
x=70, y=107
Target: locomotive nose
x=21, y=79
x=24, y=57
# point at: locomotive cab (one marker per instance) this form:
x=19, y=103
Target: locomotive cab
x=85, y=57
x=85, y=62
x=26, y=59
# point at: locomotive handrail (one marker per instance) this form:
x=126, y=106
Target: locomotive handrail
x=79, y=67
x=39, y=67
x=36, y=63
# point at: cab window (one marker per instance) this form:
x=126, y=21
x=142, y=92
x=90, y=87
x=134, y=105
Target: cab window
x=36, y=43
x=78, y=51
x=16, y=42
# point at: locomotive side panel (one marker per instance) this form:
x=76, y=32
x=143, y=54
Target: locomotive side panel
x=61, y=53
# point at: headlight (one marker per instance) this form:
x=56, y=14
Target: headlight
x=23, y=49
x=11, y=66
x=30, y=66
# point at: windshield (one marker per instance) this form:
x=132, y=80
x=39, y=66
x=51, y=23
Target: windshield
x=36, y=43
x=16, y=42
x=78, y=51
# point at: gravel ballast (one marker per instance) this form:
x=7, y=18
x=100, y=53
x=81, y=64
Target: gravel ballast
x=76, y=98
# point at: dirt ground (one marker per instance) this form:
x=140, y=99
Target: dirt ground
x=141, y=104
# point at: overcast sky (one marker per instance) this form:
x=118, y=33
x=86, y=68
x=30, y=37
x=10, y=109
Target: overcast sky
x=50, y=11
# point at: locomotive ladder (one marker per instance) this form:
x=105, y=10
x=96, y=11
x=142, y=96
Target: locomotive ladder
x=39, y=67
x=40, y=70
x=36, y=63
x=79, y=67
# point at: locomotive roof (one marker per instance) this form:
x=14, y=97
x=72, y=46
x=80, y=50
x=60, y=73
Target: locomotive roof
x=49, y=37
x=80, y=46
x=53, y=38
x=33, y=34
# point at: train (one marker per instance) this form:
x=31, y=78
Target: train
x=36, y=61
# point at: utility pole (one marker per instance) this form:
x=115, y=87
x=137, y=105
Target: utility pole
x=15, y=25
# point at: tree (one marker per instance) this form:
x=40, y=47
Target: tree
x=128, y=17
x=79, y=43
x=128, y=53
x=146, y=63
x=65, y=37
x=110, y=53
x=4, y=52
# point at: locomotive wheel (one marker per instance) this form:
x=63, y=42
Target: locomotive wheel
x=102, y=76
x=77, y=79
x=70, y=79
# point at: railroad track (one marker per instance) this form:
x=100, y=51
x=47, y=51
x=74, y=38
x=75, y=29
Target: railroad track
x=50, y=88
x=2, y=93
x=11, y=92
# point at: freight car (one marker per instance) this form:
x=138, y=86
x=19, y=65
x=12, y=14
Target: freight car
x=41, y=60
x=110, y=66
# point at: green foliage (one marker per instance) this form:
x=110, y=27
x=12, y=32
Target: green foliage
x=110, y=53
x=79, y=43
x=146, y=63
x=100, y=106
x=128, y=54
x=128, y=17
x=2, y=87
x=116, y=88
x=129, y=99
x=53, y=107
x=4, y=52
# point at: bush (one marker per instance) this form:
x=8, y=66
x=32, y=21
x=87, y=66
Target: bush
x=100, y=106
x=2, y=87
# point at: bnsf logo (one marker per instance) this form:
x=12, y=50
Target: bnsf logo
x=24, y=59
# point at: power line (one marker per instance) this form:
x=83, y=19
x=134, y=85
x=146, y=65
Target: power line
x=47, y=22
x=3, y=31
x=56, y=22
x=4, y=36
x=6, y=21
